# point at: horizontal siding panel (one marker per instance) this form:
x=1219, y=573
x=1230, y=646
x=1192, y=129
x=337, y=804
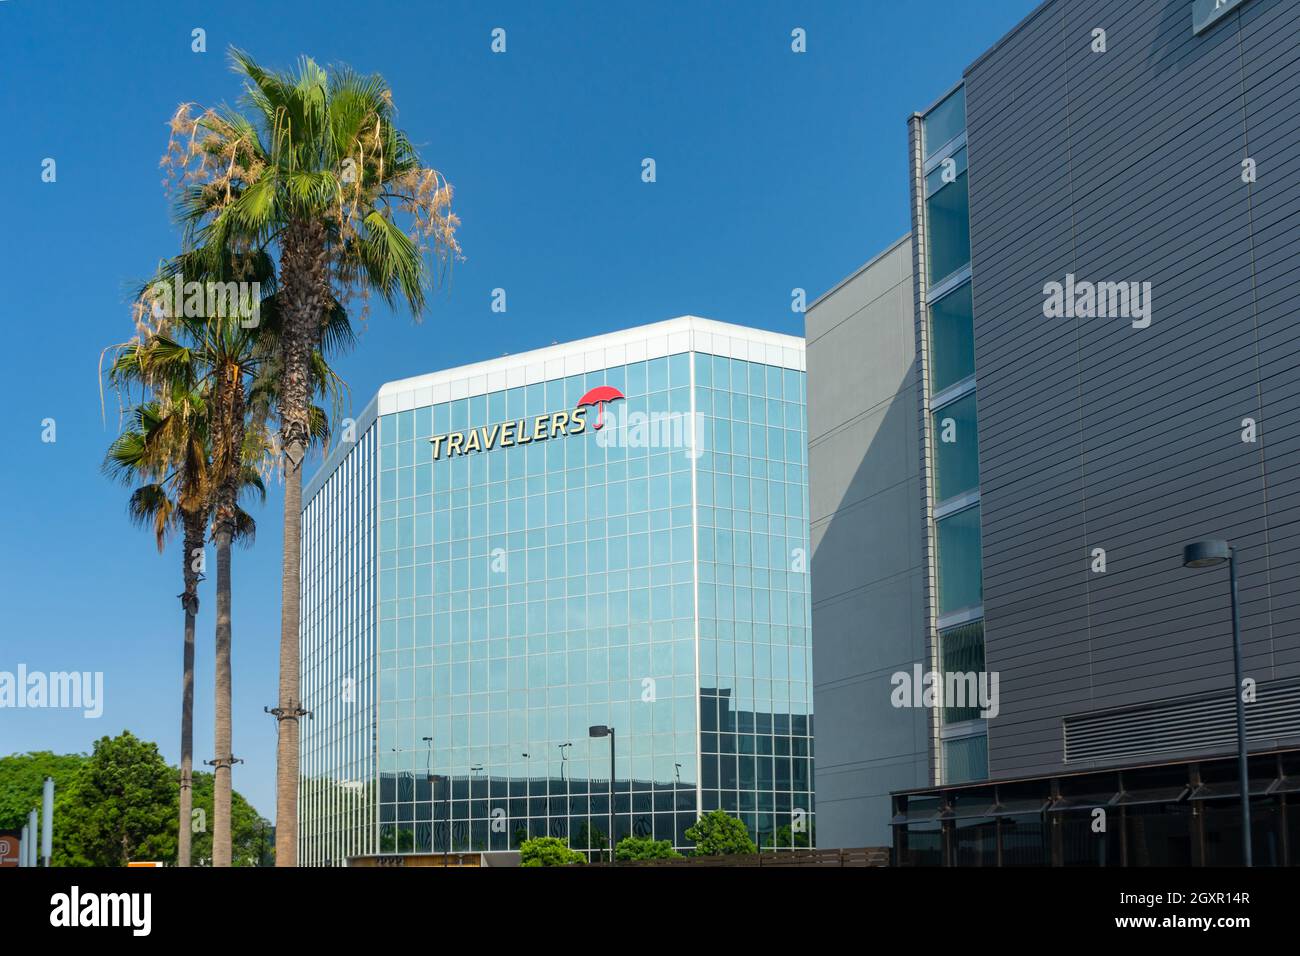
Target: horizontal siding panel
x=1125, y=166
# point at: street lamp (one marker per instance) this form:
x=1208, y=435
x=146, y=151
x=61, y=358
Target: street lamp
x=600, y=730
x=1208, y=554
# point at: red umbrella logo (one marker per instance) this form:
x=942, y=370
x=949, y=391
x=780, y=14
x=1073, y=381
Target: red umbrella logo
x=598, y=396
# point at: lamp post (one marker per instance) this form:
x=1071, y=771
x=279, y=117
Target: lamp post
x=600, y=730
x=1207, y=554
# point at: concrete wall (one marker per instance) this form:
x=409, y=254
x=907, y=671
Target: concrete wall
x=1126, y=165
x=867, y=606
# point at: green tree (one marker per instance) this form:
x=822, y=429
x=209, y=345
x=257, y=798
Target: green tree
x=644, y=848
x=22, y=777
x=121, y=806
x=318, y=174
x=716, y=833
x=548, y=851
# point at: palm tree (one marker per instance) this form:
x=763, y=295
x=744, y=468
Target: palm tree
x=319, y=174
x=167, y=451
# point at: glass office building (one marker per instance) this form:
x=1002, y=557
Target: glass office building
x=496, y=558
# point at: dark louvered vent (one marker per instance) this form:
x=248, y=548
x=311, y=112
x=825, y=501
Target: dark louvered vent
x=1203, y=722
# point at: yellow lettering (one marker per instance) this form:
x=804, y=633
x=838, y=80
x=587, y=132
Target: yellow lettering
x=507, y=434
x=453, y=443
x=472, y=443
x=490, y=437
x=437, y=445
x=558, y=421
x=539, y=430
x=578, y=417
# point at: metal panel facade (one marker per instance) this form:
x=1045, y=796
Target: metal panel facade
x=1126, y=165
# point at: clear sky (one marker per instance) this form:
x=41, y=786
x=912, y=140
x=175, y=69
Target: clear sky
x=775, y=170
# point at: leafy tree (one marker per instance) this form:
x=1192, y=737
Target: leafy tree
x=121, y=806
x=716, y=833
x=644, y=848
x=548, y=851
x=317, y=173
x=22, y=778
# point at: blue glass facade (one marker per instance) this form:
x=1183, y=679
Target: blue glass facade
x=648, y=575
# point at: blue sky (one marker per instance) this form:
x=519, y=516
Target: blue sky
x=775, y=170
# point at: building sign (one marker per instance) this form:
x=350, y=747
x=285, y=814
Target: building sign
x=1206, y=13
x=527, y=430
x=9, y=844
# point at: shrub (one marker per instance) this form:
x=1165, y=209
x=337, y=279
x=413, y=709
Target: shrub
x=547, y=851
x=644, y=848
x=716, y=834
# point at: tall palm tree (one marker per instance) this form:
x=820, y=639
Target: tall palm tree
x=167, y=452
x=317, y=173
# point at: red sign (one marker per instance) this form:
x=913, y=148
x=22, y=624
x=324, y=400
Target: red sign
x=598, y=396
x=9, y=841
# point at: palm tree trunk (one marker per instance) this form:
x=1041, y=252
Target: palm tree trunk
x=304, y=271
x=287, y=744
x=221, y=849
x=190, y=601
x=227, y=456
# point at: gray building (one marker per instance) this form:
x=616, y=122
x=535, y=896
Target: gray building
x=868, y=610
x=1107, y=367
